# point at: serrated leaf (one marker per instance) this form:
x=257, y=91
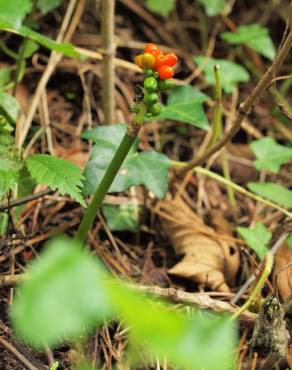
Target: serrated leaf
x=257, y=238
x=230, y=73
x=161, y=7
x=254, y=36
x=274, y=192
x=57, y=174
x=48, y=5
x=64, y=48
x=14, y=11
x=213, y=7
x=63, y=296
x=122, y=217
x=270, y=155
x=147, y=168
x=184, y=104
x=9, y=107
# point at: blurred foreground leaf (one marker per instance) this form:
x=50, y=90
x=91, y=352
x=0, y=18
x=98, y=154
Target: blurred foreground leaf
x=14, y=11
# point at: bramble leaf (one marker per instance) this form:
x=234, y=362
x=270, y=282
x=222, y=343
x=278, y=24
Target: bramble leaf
x=254, y=36
x=147, y=168
x=161, y=7
x=9, y=107
x=270, y=155
x=274, y=192
x=230, y=73
x=122, y=217
x=47, y=5
x=257, y=238
x=14, y=11
x=185, y=104
x=64, y=295
x=57, y=174
x=213, y=7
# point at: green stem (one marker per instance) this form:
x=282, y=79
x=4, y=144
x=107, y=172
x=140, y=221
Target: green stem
x=257, y=289
x=109, y=176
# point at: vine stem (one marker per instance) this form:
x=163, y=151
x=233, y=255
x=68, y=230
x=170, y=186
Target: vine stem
x=111, y=172
x=245, y=107
x=267, y=270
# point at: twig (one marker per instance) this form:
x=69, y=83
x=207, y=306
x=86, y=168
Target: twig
x=108, y=62
x=258, y=287
x=245, y=107
x=201, y=300
x=11, y=280
x=25, y=200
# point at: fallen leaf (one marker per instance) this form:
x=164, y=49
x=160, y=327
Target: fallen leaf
x=208, y=258
x=284, y=279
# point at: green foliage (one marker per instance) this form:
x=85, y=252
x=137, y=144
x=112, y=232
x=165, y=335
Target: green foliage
x=274, y=192
x=64, y=48
x=4, y=76
x=256, y=238
x=55, y=365
x=147, y=168
x=184, y=104
x=270, y=155
x=68, y=293
x=47, y=5
x=30, y=48
x=9, y=107
x=57, y=174
x=161, y=7
x=289, y=241
x=3, y=223
x=10, y=163
x=254, y=36
x=123, y=217
x=230, y=73
x=14, y=12
x=213, y=7
x=63, y=297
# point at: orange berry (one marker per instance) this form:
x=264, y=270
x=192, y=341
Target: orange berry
x=149, y=48
x=138, y=61
x=160, y=61
x=170, y=59
x=148, y=60
x=165, y=72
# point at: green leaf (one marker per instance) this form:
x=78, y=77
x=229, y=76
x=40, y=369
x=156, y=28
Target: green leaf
x=57, y=174
x=3, y=223
x=30, y=48
x=64, y=295
x=9, y=107
x=274, y=192
x=200, y=341
x=185, y=105
x=213, y=7
x=230, y=73
x=123, y=217
x=147, y=168
x=289, y=241
x=256, y=238
x=254, y=36
x=161, y=7
x=14, y=11
x=4, y=76
x=270, y=155
x=64, y=48
x=47, y=5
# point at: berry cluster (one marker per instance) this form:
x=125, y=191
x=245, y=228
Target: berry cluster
x=158, y=69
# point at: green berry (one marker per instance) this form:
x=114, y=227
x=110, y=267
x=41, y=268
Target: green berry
x=148, y=72
x=155, y=109
x=150, y=84
x=165, y=84
x=150, y=98
x=155, y=74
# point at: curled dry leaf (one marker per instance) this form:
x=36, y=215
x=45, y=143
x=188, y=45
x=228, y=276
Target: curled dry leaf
x=284, y=278
x=209, y=258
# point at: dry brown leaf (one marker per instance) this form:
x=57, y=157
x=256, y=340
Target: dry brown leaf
x=284, y=279
x=207, y=258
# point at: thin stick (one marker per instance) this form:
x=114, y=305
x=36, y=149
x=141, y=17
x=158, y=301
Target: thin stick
x=24, y=200
x=108, y=63
x=245, y=107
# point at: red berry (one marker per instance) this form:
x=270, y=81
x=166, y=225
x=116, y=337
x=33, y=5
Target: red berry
x=160, y=61
x=150, y=48
x=165, y=72
x=170, y=59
